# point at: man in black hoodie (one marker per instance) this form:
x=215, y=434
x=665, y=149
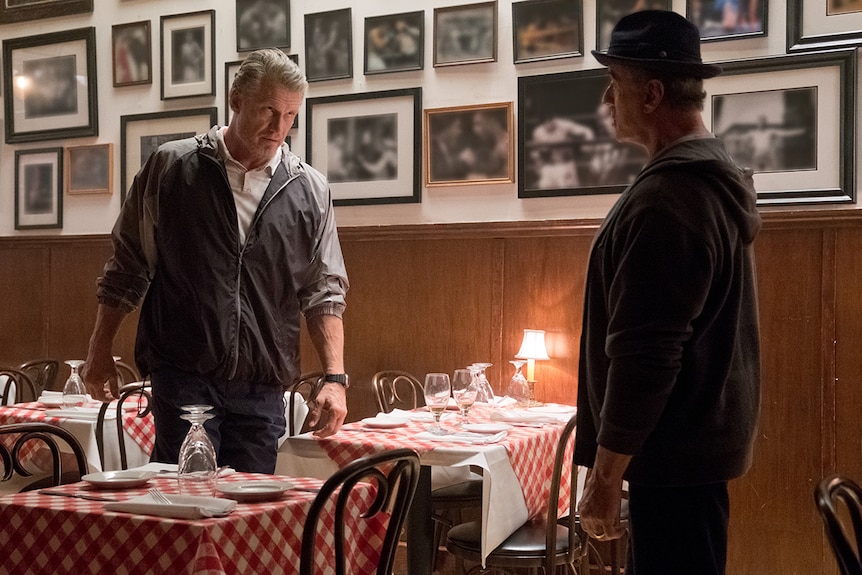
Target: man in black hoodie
x=669, y=377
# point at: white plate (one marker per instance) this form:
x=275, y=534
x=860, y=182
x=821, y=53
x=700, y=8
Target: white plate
x=384, y=422
x=486, y=427
x=251, y=491
x=123, y=479
x=51, y=402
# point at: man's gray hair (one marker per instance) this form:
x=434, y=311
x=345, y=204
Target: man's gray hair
x=269, y=64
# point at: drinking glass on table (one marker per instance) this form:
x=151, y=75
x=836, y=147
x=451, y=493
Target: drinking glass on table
x=74, y=392
x=464, y=391
x=437, y=393
x=197, y=468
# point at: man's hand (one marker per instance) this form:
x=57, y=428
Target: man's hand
x=328, y=410
x=100, y=375
x=599, y=507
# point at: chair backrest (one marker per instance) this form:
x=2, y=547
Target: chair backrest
x=399, y=389
x=126, y=372
x=395, y=474
x=306, y=388
x=138, y=392
x=15, y=387
x=54, y=438
x=564, y=463
x=830, y=495
x=43, y=374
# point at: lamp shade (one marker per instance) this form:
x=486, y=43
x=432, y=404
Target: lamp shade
x=533, y=346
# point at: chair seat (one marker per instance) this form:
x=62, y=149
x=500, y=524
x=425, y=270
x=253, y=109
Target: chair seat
x=527, y=542
x=457, y=494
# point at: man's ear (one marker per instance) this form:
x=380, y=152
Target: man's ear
x=234, y=100
x=653, y=95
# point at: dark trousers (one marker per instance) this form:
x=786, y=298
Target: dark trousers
x=249, y=419
x=678, y=530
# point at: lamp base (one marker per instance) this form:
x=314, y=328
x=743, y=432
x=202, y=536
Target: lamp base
x=531, y=398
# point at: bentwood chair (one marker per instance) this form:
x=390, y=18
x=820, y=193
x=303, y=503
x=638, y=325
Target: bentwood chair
x=138, y=392
x=297, y=397
x=43, y=374
x=395, y=474
x=536, y=544
x=403, y=390
x=845, y=537
x=58, y=443
x=126, y=372
x=15, y=387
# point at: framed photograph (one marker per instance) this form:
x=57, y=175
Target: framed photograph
x=465, y=34
x=367, y=145
x=49, y=86
x=188, y=59
x=823, y=24
x=727, y=20
x=141, y=134
x=24, y=10
x=547, y=29
x=38, y=188
x=609, y=12
x=89, y=169
x=791, y=119
x=230, y=70
x=262, y=24
x=469, y=145
x=132, y=53
x=395, y=43
x=566, y=141
x=329, y=36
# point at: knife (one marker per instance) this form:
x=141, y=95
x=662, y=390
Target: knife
x=75, y=495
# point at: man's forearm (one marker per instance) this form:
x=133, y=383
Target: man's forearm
x=327, y=336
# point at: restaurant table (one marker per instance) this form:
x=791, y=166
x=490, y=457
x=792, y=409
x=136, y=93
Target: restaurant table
x=138, y=434
x=43, y=534
x=516, y=471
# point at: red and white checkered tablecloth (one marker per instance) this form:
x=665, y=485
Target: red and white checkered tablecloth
x=530, y=449
x=41, y=534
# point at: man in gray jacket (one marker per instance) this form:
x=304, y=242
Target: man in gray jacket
x=669, y=376
x=225, y=240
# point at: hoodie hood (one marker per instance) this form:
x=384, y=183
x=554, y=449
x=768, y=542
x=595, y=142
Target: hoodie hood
x=708, y=159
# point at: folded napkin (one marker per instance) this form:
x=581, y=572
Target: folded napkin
x=415, y=415
x=462, y=437
x=81, y=413
x=181, y=506
x=528, y=416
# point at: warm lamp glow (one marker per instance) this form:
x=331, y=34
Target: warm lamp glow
x=532, y=348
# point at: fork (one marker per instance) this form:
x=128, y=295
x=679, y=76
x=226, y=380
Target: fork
x=159, y=496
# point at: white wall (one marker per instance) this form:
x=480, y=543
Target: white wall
x=452, y=86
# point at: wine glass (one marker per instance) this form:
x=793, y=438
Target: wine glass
x=74, y=392
x=519, y=389
x=437, y=392
x=197, y=468
x=464, y=391
x=485, y=391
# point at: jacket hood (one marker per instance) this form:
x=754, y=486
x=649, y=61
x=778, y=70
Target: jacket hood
x=708, y=158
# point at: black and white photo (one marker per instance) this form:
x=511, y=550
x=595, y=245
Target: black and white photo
x=328, y=45
x=38, y=188
x=132, y=53
x=394, y=43
x=187, y=55
x=465, y=34
x=546, y=29
x=262, y=24
x=89, y=169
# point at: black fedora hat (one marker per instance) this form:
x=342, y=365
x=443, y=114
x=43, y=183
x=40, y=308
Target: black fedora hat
x=658, y=40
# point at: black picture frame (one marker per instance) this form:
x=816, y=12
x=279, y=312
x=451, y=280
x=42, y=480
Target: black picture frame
x=188, y=55
x=132, y=53
x=396, y=113
x=566, y=143
x=813, y=26
x=44, y=9
x=262, y=24
x=140, y=134
x=39, y=189
x=329, y=36
x=547, y=29
x=727, y=22
x=831, y=76
x=64, y=105
x=465, y=34
x=609, y=12
x=394, y=43
x=469, y=145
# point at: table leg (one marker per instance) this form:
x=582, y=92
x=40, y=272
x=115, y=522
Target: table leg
x=420, y=529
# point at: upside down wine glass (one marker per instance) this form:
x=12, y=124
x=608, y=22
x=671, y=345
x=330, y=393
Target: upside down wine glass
x=437, y=392
x=74, y=392
x=197, y=468
x=485, y=391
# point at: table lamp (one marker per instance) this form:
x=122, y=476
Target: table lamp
x=532, y=348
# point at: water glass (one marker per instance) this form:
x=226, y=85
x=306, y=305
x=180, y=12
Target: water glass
x=197, y=468
x=437, y=393
x=464, y=391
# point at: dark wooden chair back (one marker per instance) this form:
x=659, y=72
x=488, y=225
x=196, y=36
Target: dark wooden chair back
x=126, y=372
x=138, y=392
x=14, y=379
x=843, y=527
x=395, y=474
x=16, y=440
x=306, y=388
x=397, y=389
x=43, y=374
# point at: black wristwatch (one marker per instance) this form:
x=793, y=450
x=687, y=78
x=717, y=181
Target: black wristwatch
x=339, y=378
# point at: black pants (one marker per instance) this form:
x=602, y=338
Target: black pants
x=678, y=530
x=249, y=419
